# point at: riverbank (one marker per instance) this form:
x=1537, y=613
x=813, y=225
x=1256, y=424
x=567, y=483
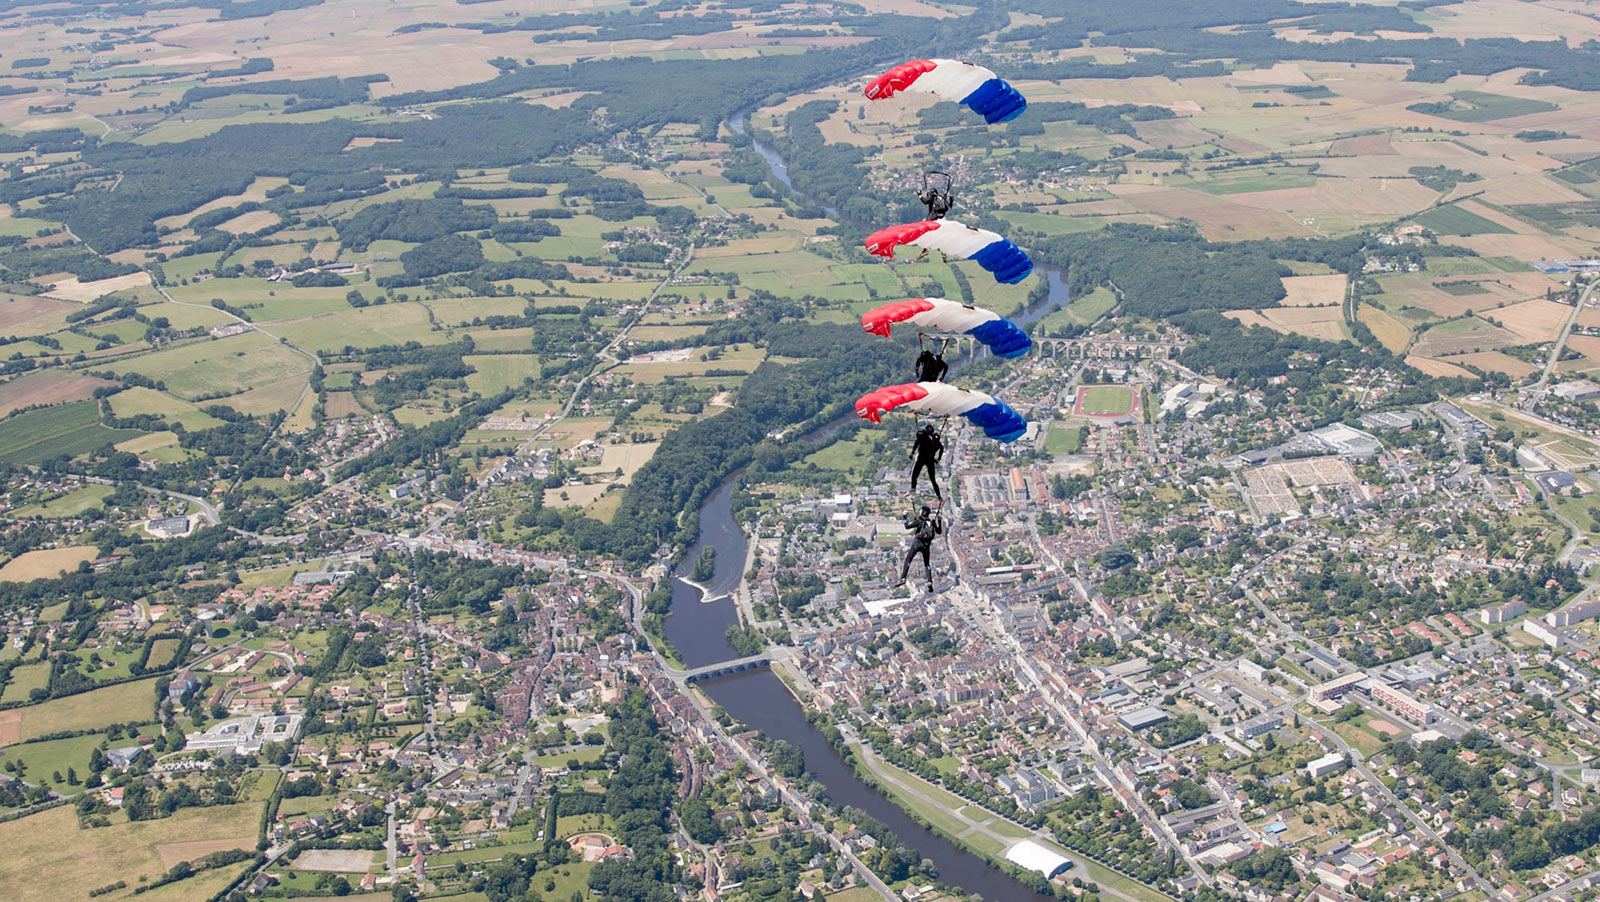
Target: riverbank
x=974, y=829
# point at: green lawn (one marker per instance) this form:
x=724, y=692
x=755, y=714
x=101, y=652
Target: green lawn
x=1063, y=439
x=1107, y=399
x=70, y=504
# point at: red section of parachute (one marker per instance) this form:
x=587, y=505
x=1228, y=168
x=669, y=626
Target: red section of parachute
x=898, y=79
x=873, y=404
x=878, y=320
x=883, y=242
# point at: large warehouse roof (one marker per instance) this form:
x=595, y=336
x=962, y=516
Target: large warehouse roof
x=1029, y=854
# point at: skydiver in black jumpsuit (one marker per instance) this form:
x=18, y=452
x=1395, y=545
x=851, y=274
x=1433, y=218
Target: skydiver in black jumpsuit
x=924, y=528
x=931, y=367
x=938, y=202
x=927, y=451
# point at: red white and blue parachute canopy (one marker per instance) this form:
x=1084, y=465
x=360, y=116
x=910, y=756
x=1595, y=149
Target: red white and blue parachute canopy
x=975, y=86
x=996, y=418
x=1003, y=337
x=1000, y=257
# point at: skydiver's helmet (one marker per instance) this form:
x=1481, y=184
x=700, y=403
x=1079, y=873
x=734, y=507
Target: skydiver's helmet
x=927, y=429
x=926, y=510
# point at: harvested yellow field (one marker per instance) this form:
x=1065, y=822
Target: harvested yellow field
x=1534, y=320
x=79, y=860
x=83, y=292
x=627, y=458
x=743, y=247
x=1587, y=345
x=1495, y=362
x=46, y=564
x=191, y=850
x=574, y=495
x=1314, y=291
x=253, y=221
x=1389, y=331
x=1326, y=323
x=1249, y=318
x=1438, y=367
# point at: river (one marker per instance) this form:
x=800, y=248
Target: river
x=698, y=622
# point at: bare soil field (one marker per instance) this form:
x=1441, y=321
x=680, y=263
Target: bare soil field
x=1314, y=291
x=1218, y=218
x=1495, y=362
x=345, y=861
x=576, y=495
x=32, y=315
x=1533, y=320
x=46, y=563
x=1363, y=146
x=48, y=387
x=1588, y=318
x=1438, y=367
x=10, y=728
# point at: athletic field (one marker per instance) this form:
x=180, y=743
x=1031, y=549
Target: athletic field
x=1105, y=401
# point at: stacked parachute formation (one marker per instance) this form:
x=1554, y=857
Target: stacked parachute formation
x=995, y=100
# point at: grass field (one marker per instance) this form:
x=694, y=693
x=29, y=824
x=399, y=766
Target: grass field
x=70, y=504
x=25, y=679
x=46, y=563
x=220, y=366
x=70, y=429
x=1479, y=106
x=124, y=703
x=1063, y=439
x=498, y=372
x=1453, y=220
x=1106, y=400
x=81, y=860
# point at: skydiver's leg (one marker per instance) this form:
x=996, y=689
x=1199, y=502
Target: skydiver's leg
x=923, y=461
x=927, y=567
x=932, y=482
x=905, y=566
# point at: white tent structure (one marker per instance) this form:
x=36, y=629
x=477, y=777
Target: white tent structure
x=1034, y=857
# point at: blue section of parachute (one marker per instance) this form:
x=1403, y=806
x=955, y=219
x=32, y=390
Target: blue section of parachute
x=1003, y=338
x=998, y=421
x=1007, y=261
x=996, y=101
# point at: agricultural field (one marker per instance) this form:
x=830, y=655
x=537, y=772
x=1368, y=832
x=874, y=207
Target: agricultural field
x=132, y=702
x=67, y=429
x=46, y=389
x=44, y=564
x=82, y=860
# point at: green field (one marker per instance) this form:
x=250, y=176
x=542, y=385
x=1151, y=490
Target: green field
x=70, y=429
x=71, y=504
x=1107, y=400
x=213, y=367
x=498, y=372
x=1063, y=439
x=1478, y=106
x=124, y=703
x=1452, y=220
x=1461, y=289
x=25, y=679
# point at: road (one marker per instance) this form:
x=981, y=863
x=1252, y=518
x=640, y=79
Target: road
x=1537, y=390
